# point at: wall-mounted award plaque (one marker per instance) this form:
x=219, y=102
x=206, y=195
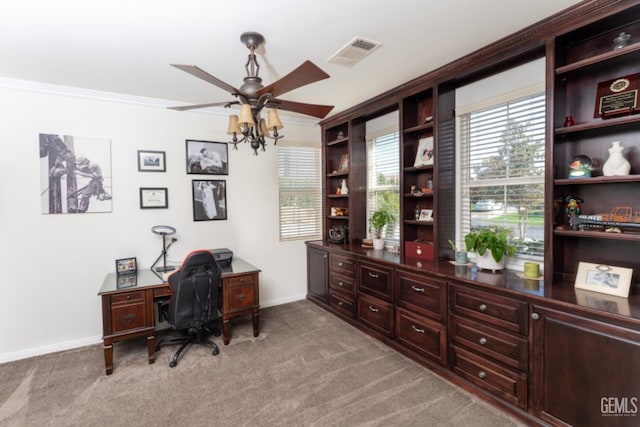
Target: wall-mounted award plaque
x=617, y=97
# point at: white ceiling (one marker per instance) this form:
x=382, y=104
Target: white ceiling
x=126, y=46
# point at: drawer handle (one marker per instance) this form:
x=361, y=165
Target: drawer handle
x=241, y=296
x=421, y=331
x=482, y=375
x=129, y=317
x=535, y=316
x=242, y=279
x=340, y=264
x=482, y=307
x=482, y=341
x=128, y=297
x=417, y=289
x=375, y=276
x=340, y=283
x=375, y=310
x=340, y=303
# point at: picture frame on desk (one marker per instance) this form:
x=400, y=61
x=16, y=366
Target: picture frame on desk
x=126, y=266
x=425, y=153
x=151, y=161
x=604, y=279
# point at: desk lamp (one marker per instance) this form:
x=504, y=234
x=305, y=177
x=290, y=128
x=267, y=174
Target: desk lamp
x=164, y=231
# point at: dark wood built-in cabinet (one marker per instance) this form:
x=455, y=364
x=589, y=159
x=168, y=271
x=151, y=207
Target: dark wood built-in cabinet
x=542, y=350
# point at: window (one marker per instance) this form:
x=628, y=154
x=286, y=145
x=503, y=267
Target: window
x=383, y=176
x=502, y=171
x=300, y=192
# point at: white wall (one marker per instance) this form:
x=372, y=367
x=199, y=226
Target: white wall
x=54, y=264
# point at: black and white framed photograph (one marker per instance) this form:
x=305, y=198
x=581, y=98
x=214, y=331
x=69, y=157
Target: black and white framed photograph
x=126, y=266
x=207, y=157
x=75, y=174
x=424, y=154
x=426, y=215
x=605, y=279
x=151, y=161
x=154, y=198
x=209, y=200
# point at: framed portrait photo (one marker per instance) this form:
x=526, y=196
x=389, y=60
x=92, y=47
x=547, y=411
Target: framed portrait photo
x=154, y=198
x=426, y=215
x=344, y=164
x=605, y=279
x=207, y=157
x=424, y=154
x=209, y=200
x=126, y=266
x=151, y=161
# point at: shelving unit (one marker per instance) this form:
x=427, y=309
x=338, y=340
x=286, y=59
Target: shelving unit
x=583, y=58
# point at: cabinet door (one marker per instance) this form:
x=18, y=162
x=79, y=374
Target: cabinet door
x=585, y=372
x=317, y=273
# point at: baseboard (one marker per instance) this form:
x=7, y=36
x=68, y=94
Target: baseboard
x=281, y=301
x=52, y=348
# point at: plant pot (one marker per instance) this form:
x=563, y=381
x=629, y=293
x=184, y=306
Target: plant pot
x=378, y=244
x=487, y=262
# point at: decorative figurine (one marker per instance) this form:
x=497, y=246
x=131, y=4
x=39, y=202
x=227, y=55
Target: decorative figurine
x=573, y=205
x=616, y=164
x=568, y=121
x=343, y=188
x=580, y=167
x=621, y=41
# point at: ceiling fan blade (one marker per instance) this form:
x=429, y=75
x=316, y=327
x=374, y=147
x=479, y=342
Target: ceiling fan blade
x=306, y=73
x=201, y=74
x=192, y=107
x=315, y=110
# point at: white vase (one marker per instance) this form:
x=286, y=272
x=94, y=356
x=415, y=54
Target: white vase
x=343, y=187
x=378, y=243
x=616, y=164
x=487, y=262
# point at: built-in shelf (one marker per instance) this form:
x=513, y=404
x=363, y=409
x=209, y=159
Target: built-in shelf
x=338, y=141
x=418, y=168
x=413, y=221
x=334, y=174
x=413, y=196
x=598, y=180
x=419, y=128
x=337, y=196
x=345, y=217
x=598, y=235
x=598, y=58
x=599, y=124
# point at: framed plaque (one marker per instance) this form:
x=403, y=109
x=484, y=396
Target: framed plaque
x=617, y=97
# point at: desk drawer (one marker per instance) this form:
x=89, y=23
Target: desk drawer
x=128, y=316
x=247, y=279
x=343, y=283
x=506, y=313
x=504, y=383
x=376, y=314
x=376, y=280
x=424, y=295
x=127, y=297
x=506, y=348
x=421, y=334
x=342, y=304
x=342, y=264
x=240, y=292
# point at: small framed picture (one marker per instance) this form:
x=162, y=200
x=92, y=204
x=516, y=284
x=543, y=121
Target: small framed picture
x=207, y=157
x=344, y=164
x=424, y=154
x=126, y=266
x=151, y=161
x=426, y=215
x=605, y=279
x=209, y=200
x=154, y=198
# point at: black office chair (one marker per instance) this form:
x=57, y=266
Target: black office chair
x=193, y=306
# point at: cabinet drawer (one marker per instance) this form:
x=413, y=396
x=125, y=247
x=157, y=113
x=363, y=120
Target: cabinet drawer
x=500, y=311
x=421, y=334
x=248, y=279
x=343, y=283
x=506, y=348
x=342, y=304
x=421, y=294
x=127, y=298
x=240, y=296
x=504, y=383
x=376, y=314
x=375, y=280
x=126, y=316
x=342, y=264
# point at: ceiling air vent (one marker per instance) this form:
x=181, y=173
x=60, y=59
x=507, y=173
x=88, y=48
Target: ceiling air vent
x=354, y=51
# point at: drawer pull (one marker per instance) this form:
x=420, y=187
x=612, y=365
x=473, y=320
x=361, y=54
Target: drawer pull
x=340, y=303
x=421, y=331
x=340, y=283
x=340, y=264
x=375, y=276
x=129, y=317
x=482, y=375
x=535, y=316
x=375, y=310
x=482, y=340
x=241, y=297
x=482, y=307
x=242, y=279
x=128, y=297
x=415, y=288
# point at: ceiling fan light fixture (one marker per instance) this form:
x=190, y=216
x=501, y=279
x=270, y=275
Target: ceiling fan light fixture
x=234, y=127
x=273, y=119
x=246, y=116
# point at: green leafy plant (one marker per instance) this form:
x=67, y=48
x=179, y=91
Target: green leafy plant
x=379, y=219
x=496, y=241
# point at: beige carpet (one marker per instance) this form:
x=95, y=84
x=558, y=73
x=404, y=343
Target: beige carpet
x=307, y=368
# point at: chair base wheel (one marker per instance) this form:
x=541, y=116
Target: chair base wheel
x=173, y=364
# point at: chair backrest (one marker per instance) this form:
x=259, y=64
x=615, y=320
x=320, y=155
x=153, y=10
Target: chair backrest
x=194, y=291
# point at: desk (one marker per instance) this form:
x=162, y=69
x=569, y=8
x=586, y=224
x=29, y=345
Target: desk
x=128, y=304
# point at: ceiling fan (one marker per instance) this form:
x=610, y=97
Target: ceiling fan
x=253, y=96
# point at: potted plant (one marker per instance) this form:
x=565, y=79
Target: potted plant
x=378, y=220
x=491, y=246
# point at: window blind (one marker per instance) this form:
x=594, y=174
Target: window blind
x=300, y=192
x=383, y=180
x=502, y=172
